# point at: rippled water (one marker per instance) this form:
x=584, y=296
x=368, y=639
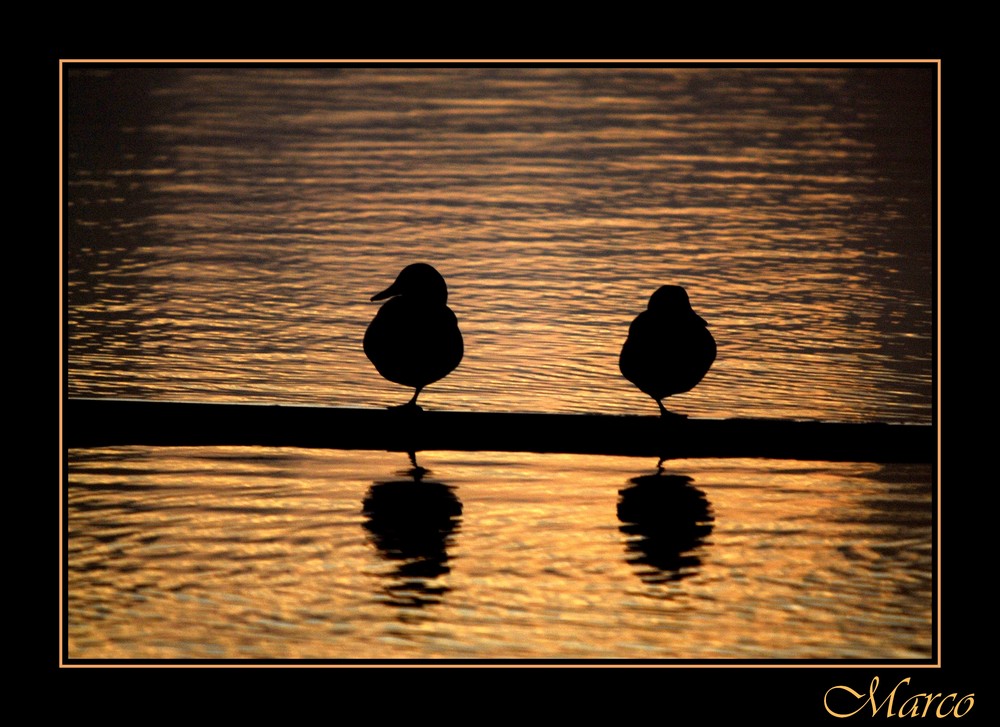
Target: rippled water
x=244, y=553
x=225, y=228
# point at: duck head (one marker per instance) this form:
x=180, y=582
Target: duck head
x=669, y=299
x=418, y=280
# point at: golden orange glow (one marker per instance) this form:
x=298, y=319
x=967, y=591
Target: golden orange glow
x=227, y=227
x=236, y=552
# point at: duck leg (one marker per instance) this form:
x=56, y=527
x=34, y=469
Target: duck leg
x=411, y=405
x=416, y=471
x=413, y=401
x=665, y=414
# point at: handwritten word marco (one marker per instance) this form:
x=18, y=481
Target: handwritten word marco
x=917, y=705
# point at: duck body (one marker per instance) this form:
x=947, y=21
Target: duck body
x=414, y=339
x=669, y=348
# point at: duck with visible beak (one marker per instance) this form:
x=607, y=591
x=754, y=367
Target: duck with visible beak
x=414, y=339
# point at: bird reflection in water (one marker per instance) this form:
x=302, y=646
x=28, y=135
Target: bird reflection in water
x=666, y=519
x=411, y=523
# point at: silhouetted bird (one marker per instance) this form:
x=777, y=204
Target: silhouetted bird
x=667, y=518
x=414, y=338
x=669, y=348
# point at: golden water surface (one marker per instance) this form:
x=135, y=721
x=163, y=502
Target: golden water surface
x=226, y=227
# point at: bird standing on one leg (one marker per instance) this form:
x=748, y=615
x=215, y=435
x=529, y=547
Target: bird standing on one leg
x=669, y=348
x=414, y=339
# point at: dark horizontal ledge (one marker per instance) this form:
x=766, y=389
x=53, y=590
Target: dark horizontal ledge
x=109, y=422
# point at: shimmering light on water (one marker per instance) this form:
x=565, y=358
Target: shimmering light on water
x=227, y=227
x=227, y=552
x=266, y=207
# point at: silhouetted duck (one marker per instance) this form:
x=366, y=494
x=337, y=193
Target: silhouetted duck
x=414, y=338
x=669, y=348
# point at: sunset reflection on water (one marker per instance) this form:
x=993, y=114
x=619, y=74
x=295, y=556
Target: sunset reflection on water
x=553, y=214
x=226, y=228
x=248, y=553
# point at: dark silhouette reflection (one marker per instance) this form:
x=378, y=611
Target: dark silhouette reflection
x=669, y=348
x=414, y=338
x=667, y=518
x=411, y=522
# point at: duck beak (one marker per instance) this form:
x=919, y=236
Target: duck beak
x=387, y=293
